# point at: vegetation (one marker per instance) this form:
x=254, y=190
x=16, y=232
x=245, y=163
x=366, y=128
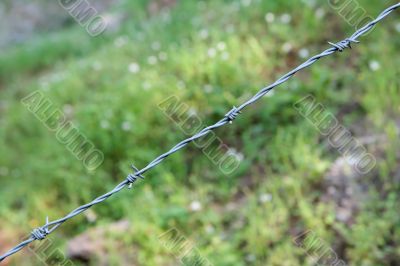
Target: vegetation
x=212, y=55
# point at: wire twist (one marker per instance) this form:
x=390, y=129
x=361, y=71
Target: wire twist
x=131, y=178
x=41, y=232
x=346, y=43
x=232, y=114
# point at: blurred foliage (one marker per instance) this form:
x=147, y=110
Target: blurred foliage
x=212, y=55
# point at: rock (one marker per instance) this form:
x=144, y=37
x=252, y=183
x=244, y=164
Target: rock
x=343, y=190
x=346, y=188
x=94, y=244
x=21, y=20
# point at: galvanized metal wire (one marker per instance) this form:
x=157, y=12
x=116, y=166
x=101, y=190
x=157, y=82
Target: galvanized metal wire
x=41, y=232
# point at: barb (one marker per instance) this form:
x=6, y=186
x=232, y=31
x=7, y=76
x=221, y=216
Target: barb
x=131, y=178
x=49, y=227
x=41, y=232
x=343, y=44
x=232, y=114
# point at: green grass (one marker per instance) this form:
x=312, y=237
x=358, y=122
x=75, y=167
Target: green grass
x=284, y=156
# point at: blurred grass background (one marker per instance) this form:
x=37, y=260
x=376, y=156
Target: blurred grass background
x=212, y=55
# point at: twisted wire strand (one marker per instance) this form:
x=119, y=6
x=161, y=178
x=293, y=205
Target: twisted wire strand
x=41, y=232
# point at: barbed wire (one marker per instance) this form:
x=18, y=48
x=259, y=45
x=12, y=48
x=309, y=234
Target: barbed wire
x=41, y=232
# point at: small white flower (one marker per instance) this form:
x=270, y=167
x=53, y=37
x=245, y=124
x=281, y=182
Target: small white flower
x=246, y=2
x=134, y=68
x=68, y=109
x=287, y=47
x=203, y=34
x=233, y=152
x=397, y=27
x=146, y=85
x=211, y=52
x=230, y=28
x=310, y=3
x=235, y=7
x=97, y=66
x=156, y=46
x=208, y=88
x=104, y=124
x=192, y=112
x=163, y=56
x=45, y=85
x=265, y=198
x=286, y=18
x=210, y=229
x=304, y=53
x=57, y=77
x=121, y=41
x=126, y=126
x=46, y=88
x=251, y=258
x=221, y=46
x=181, y=84
x=320, y=13
x=152, y=60
x=195, y=206
x=225, y=56
x=269, y=17
x=374, y=65
x=166, y=16
x=91, y=216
